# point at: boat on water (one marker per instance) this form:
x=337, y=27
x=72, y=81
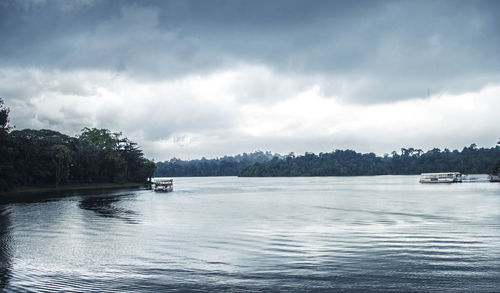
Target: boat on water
x=163, y=184
x=494, y=178
x=448, y=177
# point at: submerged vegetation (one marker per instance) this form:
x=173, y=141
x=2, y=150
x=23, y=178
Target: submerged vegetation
x=48, y=158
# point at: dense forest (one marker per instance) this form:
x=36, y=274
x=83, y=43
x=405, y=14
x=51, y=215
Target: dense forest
x=471, y=160
x=225, y=166
x=45, y=157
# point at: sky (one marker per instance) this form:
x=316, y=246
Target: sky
x=191, y=79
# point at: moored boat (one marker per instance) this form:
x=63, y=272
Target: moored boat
x=163, y=184
x=494, y=178
x=448, y=177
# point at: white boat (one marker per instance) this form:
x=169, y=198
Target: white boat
x=163, y=184
x=449, y=177
x=494, y=178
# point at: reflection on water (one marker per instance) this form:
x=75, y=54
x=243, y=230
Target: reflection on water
x=377, y=234
x=5, y=247
x=107, y=206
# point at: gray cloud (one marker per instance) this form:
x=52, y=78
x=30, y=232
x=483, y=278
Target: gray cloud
x=390, y=50
x=208, y=78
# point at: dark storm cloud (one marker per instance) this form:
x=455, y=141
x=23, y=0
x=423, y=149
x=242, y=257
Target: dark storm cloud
x=366, y=51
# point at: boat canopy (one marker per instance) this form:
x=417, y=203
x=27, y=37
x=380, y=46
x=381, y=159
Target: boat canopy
x=441, y=175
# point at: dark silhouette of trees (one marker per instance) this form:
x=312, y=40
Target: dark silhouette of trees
x=225, y=166
x=496, y=168
x=5, y=163
x=61, y=160
x=471, y=160
x=45, y=157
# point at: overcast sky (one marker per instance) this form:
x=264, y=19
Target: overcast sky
x=189, y=79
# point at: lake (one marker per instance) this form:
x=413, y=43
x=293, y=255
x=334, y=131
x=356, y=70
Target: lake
x=377, y=234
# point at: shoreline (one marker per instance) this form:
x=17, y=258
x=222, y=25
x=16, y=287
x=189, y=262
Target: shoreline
x=71, y=187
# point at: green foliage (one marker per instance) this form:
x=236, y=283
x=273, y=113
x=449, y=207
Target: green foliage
x=338, y=163
x=42, y=157
x=4, y=118
x=39, y=157
x=350, y=163
x=5, y=164
x=226, y=166
x=98, y=140
x=61, y=160
x=496, y=169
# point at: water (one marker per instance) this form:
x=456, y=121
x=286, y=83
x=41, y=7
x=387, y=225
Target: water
x=383, y=233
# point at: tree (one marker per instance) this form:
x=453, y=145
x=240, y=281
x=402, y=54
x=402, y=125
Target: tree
x=105, y=156
x=496, y=169
x=4, y=118
x=98, y=158
x=45, y=157
x=61, y=161
x=34, y=157
x=226, y=166
x=350, y=163
x=99, y=139
x=5, y=160
x=148, y=169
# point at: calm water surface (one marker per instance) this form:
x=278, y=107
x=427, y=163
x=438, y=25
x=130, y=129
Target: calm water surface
x=385, y=233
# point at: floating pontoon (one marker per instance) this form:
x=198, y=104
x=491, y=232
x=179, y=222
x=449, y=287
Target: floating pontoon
x=163, y=184
x=449, y=177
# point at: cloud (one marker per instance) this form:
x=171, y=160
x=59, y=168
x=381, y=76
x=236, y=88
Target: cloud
x=365, y=52
x=211, y=115
x=202, y=78
x=157, y=110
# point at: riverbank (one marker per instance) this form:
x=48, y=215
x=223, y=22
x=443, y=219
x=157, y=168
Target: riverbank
x=71, y=187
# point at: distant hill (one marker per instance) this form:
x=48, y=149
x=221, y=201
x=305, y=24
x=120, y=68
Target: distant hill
x=471, y=160
x=225, y=166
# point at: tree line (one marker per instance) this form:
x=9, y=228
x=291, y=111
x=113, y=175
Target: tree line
x=225, y=166
x=45, y=157
x=471, y=160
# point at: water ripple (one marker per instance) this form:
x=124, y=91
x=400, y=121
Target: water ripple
x=383, y=234
x=108, y=207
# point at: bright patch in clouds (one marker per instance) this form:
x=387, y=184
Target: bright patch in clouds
x=243, y=109
x=201, y=78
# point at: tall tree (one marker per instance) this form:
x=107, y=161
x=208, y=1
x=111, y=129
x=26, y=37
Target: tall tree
x=5, y=161
x=61, y=162
x=496, y=169
x=99, y=156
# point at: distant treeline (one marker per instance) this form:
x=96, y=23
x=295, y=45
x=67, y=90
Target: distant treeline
x=46, y=157
x=471, y=160
x=226, y=166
